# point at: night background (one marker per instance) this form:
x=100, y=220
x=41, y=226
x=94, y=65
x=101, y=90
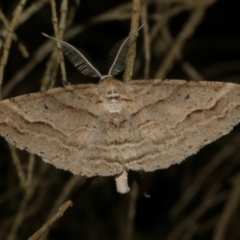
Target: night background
x=187, y=39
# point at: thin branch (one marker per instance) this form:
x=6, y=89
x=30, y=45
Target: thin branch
x=131, y=213
x=18, y=166
x=188, y=29
x=8, y=41
x=62, y=209
x=31, y=162
x=196, y=214
x=49, y=223
x=147, y=50
x=223, y=154
x=56, y=32
x=31, y=10
x=68, y=188
x=21, y=47
x=63, y=18
x=136, y=13
x=20, y=214
x=230, y=209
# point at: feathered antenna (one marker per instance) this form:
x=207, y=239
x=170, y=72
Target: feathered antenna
x=77, y=59
x=117, y=56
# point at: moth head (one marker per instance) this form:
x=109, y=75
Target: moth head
x=113, y=94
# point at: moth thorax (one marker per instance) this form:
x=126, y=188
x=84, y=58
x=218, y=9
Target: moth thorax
x=113, y=101
x=112, y=94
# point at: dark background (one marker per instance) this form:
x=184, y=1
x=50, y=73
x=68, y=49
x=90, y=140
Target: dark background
x=188, y=201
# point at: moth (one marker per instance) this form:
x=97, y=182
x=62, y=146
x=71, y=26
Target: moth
x=109, y=128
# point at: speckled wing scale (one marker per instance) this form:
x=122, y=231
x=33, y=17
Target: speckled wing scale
x=112, y=127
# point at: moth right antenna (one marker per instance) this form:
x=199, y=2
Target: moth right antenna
x=118, y=55
x=77, y=58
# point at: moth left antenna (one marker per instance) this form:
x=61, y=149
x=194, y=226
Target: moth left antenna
x=77, y=58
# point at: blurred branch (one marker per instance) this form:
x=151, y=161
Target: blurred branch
x=231, y=207
x=187, y=30
x=48, y=224
x=67, y=190
x=62, y=209
x=192, y=218
x=131, y=213
x=8, y=40
x=136, y=13
x=147, y=50
x=31, y=10
x=28, y=193
x=202, y=176
x=57, y=34
x=16, y=162
x=21, y=47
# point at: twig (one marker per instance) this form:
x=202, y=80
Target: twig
x=23, y=72
x=20, y=214
x=196, y=214
x=119, y=13
x=62, y=209
x=21, y=210
x=8, y=40
x=18, y=166
x=49, y=77
x=186, y=66
x=63, y=18
x=25, y=15
x=136, y=12
x=30, y=169
x=133, y=196
x=147, y=50
x=199, y=180
x=10, y=194
x=188, y=29
x=57, y=34
x=21, y=47
x=191, y=71
x=138, y=179
x=31, y=10
x=68, y=188
x=48, y=224
x=230, y=208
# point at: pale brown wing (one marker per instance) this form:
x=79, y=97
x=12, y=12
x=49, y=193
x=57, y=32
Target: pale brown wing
x=162, y=123
x=180, y=117
x=58, y=125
